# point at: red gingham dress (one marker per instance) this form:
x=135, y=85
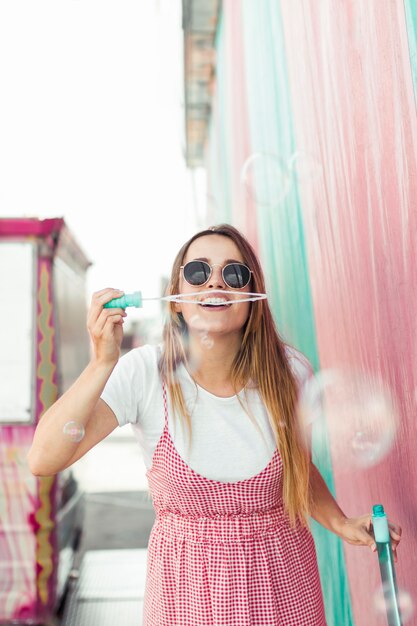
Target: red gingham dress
x=224, y=554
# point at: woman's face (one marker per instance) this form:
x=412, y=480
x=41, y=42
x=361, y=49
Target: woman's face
x=217, y=250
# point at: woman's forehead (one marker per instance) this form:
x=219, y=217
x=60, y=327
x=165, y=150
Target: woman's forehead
x=214, y=248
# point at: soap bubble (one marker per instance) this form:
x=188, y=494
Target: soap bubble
x=266, y=179
x=356, y=410
x=3, y=506
x=198, y=323
x=207, y=341
x=385, y=605
x=200, y=326
x=211, y=205
x=73, y=431
x=306, y=167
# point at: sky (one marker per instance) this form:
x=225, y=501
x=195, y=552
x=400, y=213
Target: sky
x=92, y=130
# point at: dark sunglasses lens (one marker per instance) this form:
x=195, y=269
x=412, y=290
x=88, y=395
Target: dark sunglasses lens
x=236, y=275
x=196, y=272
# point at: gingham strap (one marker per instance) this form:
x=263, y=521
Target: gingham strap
x=164, y=393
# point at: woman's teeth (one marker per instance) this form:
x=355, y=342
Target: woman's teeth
x=214, y=302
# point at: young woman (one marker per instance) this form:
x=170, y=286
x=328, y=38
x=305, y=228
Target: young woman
x=230, y=472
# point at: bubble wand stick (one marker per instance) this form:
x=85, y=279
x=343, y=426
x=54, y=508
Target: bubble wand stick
x=386, y=565
x=135, y=299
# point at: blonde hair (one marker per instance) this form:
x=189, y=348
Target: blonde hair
x=261, y=359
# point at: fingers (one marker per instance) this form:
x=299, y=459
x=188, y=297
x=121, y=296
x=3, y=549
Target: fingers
x=366, y=538
x=102, y=321
x=113, y=316
x=98, y=300
x=367, y=534
x=360, y=532
x=105, y=326
x=98, y=294
x=370, y=541
x=395, y=530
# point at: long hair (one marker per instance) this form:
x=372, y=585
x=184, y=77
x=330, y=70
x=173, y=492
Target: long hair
x=262, y=359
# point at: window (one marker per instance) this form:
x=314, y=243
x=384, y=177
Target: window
x=16, y=330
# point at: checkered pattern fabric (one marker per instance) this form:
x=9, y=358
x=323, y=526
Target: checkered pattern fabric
x=224, y=554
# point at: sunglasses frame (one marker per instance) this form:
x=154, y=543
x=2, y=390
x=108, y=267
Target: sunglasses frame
x=211, y=273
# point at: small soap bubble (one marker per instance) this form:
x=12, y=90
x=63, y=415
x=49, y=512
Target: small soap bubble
x=196, y=321
x=207, y=341
x=211, y=205
x=358, y=412
x=73, y=431
x=385, y=605
x=3, y=506
x=198, y=324
x=305, y=167
x=266, y=179
x=365, y=447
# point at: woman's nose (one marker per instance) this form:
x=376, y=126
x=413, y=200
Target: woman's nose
x=216, y=278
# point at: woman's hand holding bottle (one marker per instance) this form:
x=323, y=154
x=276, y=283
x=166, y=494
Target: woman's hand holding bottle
x=105, y=326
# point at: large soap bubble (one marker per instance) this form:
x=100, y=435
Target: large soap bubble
x=385, y=604
x=357, y=411
x=266, y=179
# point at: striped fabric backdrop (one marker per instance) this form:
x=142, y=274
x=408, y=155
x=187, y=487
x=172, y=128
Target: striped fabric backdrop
x=312, y=153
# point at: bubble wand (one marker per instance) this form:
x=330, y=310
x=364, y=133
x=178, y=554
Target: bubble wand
x=386, y=565
x=135, y=299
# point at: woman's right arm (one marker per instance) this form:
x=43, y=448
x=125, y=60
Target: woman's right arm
x=51, y=450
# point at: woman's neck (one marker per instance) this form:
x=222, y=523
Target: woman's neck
x=211, y=362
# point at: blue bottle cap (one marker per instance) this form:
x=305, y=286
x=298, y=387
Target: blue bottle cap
x=378, y=510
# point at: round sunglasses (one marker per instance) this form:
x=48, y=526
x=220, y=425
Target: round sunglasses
x=235, y=275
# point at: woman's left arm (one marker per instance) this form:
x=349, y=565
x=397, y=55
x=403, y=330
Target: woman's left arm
x=354, y=530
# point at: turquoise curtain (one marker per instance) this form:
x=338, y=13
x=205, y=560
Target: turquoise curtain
x=410, y=7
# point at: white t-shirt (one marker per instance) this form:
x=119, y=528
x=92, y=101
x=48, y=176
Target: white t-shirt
x=226, y=445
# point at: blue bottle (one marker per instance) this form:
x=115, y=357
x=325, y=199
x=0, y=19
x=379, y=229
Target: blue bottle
x=386, y=565
x=129, y=299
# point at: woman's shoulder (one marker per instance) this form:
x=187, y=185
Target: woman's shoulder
x=141, y=356
x=146, y=351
